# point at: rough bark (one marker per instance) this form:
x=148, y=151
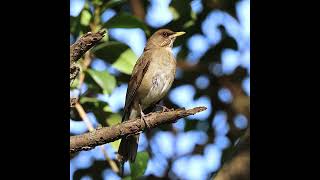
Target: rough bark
x=105, y=135
x=81, y=46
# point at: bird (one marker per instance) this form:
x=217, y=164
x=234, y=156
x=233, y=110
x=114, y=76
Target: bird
x=151, y=79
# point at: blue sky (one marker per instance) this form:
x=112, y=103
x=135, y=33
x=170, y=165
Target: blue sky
x=165, y=144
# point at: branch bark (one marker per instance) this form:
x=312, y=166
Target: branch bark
x=81, y=46
x=105, y=135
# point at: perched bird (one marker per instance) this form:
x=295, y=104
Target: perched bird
x=151, y=79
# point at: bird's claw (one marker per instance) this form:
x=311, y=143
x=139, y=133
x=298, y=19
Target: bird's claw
x=144, y=120
x=142, y=115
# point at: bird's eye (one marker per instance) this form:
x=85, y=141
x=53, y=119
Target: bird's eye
x=165, y=34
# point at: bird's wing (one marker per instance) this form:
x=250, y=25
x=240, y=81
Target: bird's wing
x=138, y=73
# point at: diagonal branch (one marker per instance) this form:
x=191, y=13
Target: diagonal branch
x=105, y=135
x=78, y=49
x=84, y=43
x=81, y=46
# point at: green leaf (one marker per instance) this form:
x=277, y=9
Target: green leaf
x=107, y=109
x=174, y=13
x=114, y=119
x=91, y=102
x=115, y=144
x=74, y=25
x=139, y=166
x=106, y=81
x=85, y=17
x=125, y=20
x=118, y=54
x=126, y=61
x=112, y=3
x=127, y=178
x=88, y=99
x=97, y=2
x=74, y=84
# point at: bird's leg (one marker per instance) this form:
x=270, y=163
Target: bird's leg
x=142, y=115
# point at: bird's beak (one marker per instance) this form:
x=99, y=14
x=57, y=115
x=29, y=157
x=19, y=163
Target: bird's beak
x=178, y=34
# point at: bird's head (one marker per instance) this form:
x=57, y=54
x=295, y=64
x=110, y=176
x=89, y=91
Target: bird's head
x=163, y=38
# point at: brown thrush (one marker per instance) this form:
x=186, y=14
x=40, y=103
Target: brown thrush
x=151, y=79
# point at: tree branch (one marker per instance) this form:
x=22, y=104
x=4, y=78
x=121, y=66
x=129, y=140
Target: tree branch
x=105, y=135
x=137, y=9
x=82, y=45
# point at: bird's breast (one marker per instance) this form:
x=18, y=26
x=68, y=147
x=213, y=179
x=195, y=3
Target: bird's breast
x=158, y=79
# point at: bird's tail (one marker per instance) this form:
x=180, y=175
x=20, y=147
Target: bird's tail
x=128, y=150
x=129, y=145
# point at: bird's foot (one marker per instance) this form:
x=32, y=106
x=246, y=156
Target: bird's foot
x=142, y=115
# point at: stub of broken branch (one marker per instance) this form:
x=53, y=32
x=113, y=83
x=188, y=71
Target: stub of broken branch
x=82, y=45
x=105, y=135
x=73, y=102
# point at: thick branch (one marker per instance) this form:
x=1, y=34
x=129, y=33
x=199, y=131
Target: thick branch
x=105, y=135
x=82, y=45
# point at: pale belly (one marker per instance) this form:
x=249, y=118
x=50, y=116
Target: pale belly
x=161, y=85
x=156, y=88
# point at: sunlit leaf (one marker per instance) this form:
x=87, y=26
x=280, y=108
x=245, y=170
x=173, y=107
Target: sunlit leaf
x=85, y=17
x=188, y=24
x=139, y=166
x=106, y=81
x=115, y=144
x=118, y=54
x=107, y=109
x=114, y=119
x=74, y=84
x=174, y=13
x=125, y=62
x=97, y=2
x=88, y=99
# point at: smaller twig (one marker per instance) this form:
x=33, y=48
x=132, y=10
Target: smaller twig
x=89, y=125
x=86, y=62
x=84, y=116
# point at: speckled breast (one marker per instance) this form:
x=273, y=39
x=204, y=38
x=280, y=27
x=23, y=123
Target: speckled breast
x=161, y=73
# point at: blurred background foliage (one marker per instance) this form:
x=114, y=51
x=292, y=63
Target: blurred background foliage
x=213, y=60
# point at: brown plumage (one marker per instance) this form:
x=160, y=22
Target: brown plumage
x=151, y=79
